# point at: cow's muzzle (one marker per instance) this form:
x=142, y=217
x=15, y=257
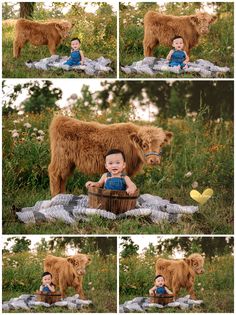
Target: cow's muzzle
x=153, y=158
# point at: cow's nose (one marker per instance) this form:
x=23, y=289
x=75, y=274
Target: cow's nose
x=153, y=160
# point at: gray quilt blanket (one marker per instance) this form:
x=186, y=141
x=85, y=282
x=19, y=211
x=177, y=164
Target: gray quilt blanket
x=142, y=304
x=28, y=301
x=90, y=67
x=71, y=209
x=152, y=66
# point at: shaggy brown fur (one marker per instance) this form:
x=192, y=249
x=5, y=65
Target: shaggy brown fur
x=180, y=273
x=160, y=29
x=48, y=33
x=83, y=145
x=67, y=272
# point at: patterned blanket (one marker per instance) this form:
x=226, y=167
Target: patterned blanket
x=142, y=304
x=28, y=301
x=70, y=209
x=152, y=66
x=90, y=67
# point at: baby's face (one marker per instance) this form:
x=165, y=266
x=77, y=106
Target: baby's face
x=160, y=282
x=178, y=43
x=115, y=163
x=47, y=279
x=75, y=44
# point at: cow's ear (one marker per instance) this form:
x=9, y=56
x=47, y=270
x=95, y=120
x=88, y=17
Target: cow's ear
x=194, y=19
x=213, y=19
x=188, y=261
x=169, y=137
x=71, y=260
x=59, y=27
x=135, y=138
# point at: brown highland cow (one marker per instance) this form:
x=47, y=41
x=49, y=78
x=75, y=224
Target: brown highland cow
x=37, y=34
x=83, y=145
x=161, y=29
x=180, y=273
x=68, y=272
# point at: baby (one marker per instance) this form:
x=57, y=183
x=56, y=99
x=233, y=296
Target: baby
x=159, y=287
x=47, y=285
x=178, y=57
x=76, y=56
x=115, y=179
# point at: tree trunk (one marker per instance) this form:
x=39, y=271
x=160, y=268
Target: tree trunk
x=26, y=9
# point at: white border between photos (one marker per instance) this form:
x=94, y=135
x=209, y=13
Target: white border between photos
x=128, y=79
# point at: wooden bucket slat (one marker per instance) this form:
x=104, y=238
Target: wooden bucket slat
x=51, y=298
x=162, y=299
x=116, y=201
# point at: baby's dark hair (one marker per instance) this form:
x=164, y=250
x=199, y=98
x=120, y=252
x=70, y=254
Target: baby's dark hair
x=176, y=37
x=115, y=151
x=46, y=273
x=158, y=276
x=75, y=38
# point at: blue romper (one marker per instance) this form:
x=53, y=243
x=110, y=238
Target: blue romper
x=161, y=290
x=177, y=58
x=45, y=289
x=74, y=59
x=115, y=183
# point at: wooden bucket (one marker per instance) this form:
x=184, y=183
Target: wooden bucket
x=48, y=297
x=116, y=201
x=162, y=299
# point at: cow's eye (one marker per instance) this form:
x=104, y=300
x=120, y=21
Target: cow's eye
x=145, y=146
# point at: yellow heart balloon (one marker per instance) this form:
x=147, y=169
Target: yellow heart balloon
x=201, y=198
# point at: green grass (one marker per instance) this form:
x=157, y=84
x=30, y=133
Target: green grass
x=16, y=68
x=203, y=148
x=22, y=274
x=215, y=287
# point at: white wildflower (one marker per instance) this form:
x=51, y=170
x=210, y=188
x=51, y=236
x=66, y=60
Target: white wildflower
x=15, y=135
x=27, y=125
x=33, y=134
x=188, y=174
x=40, y=138
x=41, y=132
x=195, y=185
x=35, y=129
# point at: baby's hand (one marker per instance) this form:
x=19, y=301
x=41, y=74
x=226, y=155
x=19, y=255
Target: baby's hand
x=90, y=184
x=151, y=292
x=131, y=190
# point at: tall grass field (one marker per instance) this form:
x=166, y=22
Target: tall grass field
x=215, y=287
x=201, y=154
x=22, y=275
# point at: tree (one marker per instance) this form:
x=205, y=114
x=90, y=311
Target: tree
x=129, y=247
x=26, y=9
x=42, y=96
x=105, y=245
x=211, y=246
x=20, y=244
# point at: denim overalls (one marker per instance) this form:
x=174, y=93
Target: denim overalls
x=161, y=290
x=115, y=183
x=177, y=58
x=74, y=59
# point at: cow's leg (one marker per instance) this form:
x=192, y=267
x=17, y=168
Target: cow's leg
x=190, y=288
x=17, y=46
x=52, y=46
x=62, y=288
x=149, y=45
x=78, y=285
x=58, y=177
